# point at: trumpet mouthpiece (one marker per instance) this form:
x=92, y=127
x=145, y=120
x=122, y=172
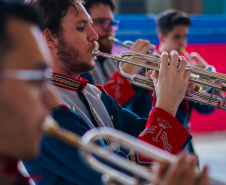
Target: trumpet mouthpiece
x=95, y=52
x=111, y=38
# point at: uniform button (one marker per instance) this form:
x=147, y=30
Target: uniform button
x=112, y=118
x=73, y=108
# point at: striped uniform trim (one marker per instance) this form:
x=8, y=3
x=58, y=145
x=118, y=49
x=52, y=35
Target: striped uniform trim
x=65, y=82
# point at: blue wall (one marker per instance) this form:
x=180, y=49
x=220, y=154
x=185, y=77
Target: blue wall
x=204, y=29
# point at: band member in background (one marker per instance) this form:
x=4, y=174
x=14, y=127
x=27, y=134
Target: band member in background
x=173, y=30
x=25, y=98
x=67, y=30
x=105, y=72
x=172, y=26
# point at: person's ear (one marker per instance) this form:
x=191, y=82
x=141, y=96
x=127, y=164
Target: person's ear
x=161, y=37
x=50, y=39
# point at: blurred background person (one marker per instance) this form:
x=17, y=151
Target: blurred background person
x=172, y=26
x=173, y=29
x=25, y=98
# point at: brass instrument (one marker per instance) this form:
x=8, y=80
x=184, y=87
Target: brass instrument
x=215, y=80
x=194, y=57
x=87, y=144
x=128, y=44
x=196, y=60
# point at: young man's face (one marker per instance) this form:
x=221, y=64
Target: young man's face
x=97, y=12
x=77, y=41
x=24, y=103
x=176, y=39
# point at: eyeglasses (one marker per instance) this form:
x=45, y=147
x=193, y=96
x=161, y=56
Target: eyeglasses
x=107, y=23
x=29, y=75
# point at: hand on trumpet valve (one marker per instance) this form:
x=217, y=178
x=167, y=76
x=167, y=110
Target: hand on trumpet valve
x=171, y=82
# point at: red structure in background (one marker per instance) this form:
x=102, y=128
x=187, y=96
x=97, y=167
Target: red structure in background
x=214, y=54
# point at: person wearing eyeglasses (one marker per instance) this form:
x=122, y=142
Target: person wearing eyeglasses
x=105, y=71
x=25, y=96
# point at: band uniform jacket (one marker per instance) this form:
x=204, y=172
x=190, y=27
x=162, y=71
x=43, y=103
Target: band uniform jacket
x=134, y=98
x=83, y=107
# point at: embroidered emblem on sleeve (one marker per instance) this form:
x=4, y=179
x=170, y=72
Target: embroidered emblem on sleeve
x=116, y=85
x=159, y=133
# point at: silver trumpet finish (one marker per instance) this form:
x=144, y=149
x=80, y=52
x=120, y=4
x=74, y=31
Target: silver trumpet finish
x=128, y=44
x=89, y=148
x=199, y=76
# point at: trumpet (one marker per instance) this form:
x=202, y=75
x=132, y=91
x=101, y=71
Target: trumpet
x=199, y=76
x=89, y=148
x=196, y=60
x=128, y=44
x=195, y=57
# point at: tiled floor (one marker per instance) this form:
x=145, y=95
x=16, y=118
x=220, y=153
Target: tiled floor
x=211, y=149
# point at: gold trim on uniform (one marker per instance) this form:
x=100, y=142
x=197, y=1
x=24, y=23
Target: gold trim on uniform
x=91, y=72
x=63, y=81
x=112, y=118
x=73, y=108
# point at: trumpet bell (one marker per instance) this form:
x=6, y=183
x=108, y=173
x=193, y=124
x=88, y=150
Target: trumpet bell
x=90, y=150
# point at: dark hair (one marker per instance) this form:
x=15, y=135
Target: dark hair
x=89, y=3
x=17, y=10
x=52, y=13
x=170, y=18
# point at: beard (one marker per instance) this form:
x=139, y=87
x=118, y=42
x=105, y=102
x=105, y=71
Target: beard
x=71, y=60
x=105, y=45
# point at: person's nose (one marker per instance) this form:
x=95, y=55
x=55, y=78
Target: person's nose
x=92, y=35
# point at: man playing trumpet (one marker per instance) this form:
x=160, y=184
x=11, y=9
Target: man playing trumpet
x=25, y=94
x=66, y=29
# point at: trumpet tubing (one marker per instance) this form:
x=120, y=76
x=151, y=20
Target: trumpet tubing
x=87, y=144
x=89, y=148
x=152, y=63
x=129, y=44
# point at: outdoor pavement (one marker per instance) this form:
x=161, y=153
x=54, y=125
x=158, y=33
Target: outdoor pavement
x=211, y=149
